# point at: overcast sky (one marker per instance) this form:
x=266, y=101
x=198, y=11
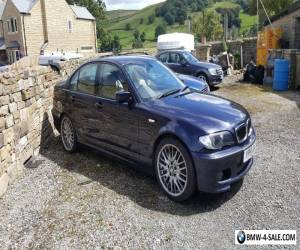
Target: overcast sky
x=129, y=4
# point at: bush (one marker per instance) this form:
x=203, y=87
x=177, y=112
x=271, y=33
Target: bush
x=128, y=26
x=151, y=19
x=137, y=43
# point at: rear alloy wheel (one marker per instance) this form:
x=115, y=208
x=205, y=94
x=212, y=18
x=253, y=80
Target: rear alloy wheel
x=174, y=170
x=68, y=134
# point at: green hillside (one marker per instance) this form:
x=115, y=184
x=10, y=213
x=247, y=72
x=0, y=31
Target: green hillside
x=126, y=36
x=118, y=15
x=117, y=21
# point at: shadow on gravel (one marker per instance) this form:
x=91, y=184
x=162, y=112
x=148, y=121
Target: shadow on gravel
x=126, y=181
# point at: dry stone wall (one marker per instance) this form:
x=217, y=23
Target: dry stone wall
x=25, y=116
x=234, y=47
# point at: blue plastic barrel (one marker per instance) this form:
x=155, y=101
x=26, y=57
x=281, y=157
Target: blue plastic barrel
x=281, y=74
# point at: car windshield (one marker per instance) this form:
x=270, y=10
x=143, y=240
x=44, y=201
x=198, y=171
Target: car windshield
x=189, y=57
x=153, y=80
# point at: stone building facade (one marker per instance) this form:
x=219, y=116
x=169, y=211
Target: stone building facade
x=31, y=26
x=289, y=21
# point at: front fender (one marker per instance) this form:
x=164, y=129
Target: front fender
x=187, y=134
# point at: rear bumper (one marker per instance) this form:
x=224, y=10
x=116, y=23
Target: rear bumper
x=216, y=172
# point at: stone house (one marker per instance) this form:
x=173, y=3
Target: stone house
x=29, y=27
x=289, y=21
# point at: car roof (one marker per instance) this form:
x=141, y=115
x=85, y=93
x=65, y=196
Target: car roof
x=126, y=59
x=173, y=50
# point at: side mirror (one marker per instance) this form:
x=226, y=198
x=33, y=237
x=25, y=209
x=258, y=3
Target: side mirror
x=123, y=96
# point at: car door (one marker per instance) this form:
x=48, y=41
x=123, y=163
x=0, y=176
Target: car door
x=175, y=63
x=117, y=121
x=82, y=100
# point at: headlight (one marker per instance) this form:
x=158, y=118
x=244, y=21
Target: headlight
x=217, y=140
x=213, y=71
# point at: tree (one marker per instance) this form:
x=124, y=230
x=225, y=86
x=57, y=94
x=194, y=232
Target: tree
x=169, y=18
x=208, y=24
x=116, y=44
x=160, y=29
x=143, y=37
x=151, y=19
x=181, y=16
x=128, y=26
x=273, y=7
x=136, y=34
x=138, y=39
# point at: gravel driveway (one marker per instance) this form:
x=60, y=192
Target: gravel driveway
x=86, y=201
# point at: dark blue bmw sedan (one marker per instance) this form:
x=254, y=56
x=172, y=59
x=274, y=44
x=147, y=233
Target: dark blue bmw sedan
x=134, y=108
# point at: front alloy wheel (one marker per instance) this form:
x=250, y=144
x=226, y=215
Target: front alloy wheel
x=68, y=135
x=174, y=170
x=203, y=78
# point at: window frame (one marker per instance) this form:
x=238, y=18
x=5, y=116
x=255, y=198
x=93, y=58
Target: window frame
x=165, y=54
x=175, y=53
x=78, y=75
x=12, y=25
x=86, y=50
x=13, y=56
x=69, y=26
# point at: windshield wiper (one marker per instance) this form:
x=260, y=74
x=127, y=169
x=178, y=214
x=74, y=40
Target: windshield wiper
x=170, y=92
x=184, y=89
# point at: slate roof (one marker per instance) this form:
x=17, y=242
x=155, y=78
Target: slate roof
x=2, y=5
x=82, y=12
x=25, y=6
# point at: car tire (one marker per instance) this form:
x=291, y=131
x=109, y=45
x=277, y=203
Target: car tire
x=203, y=78
x=68, y=134
x=174, y=170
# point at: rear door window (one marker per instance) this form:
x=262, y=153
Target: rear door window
x=164, y=57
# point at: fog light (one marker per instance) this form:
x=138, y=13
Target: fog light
x=219, y=176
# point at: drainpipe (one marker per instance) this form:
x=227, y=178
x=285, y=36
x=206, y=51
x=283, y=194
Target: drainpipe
x=44, y=22
x=24, y=36
x=96, y=39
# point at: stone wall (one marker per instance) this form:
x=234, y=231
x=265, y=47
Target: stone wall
x=234, y=47
x=25, y=116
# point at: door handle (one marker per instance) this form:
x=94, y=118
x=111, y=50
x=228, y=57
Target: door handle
x=99, y=105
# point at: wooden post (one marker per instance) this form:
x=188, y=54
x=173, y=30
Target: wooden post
x=242, y=57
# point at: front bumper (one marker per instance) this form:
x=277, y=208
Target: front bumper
x=217, y=171
x=215, y=79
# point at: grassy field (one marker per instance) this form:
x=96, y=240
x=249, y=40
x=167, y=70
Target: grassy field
x=118, y=19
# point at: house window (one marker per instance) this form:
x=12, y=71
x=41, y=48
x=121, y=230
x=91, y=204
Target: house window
x=13, y=56
x=87, y=48
x=70, y=27
x=12, y=25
